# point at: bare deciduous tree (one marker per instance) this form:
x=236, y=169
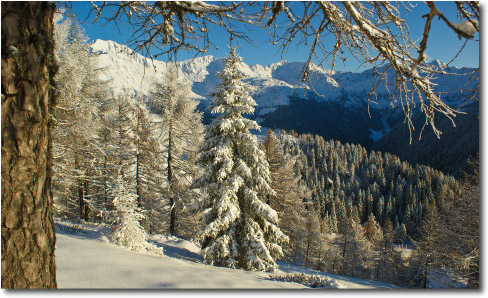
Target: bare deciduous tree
x=376, y=35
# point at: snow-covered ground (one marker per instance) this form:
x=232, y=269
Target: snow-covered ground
x=88, y=259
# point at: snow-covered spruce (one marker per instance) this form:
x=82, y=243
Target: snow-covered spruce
x=240, y=229
x=313, y=281
x=128, y=231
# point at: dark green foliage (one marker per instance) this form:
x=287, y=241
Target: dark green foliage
x=333, y=120
x=348, y=181
x=371, y=205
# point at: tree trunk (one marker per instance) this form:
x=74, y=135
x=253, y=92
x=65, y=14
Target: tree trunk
x=28, y=99
x=80, y=185
x=138, y=130
x=86, y=211
x=425, y=273
x=306, y=254
x=81, y=201
x=172, y=216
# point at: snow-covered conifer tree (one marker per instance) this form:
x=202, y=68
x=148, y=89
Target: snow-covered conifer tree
x=373, y=231
x=128, y=231
x=240, y=229
x=132, y=138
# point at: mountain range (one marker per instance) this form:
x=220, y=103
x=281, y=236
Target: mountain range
x=336, y=108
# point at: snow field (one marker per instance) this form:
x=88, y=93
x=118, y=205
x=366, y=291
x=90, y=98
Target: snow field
x=88, y=259
x=93, y=262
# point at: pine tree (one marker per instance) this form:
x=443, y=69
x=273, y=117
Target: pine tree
x=110, y=162
x=385, y=267
x=241, y=230
x=400, y=234
x=311, y=238
x=140, y=157
x=127, y=140
x=372, y=230
x=428, y=246
x=357, y=250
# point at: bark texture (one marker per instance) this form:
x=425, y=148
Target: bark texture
x=28, y=69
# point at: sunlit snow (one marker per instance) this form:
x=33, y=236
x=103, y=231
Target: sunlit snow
x=88, y=259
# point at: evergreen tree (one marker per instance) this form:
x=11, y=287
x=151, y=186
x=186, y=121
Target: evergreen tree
x=372, y=230
x=428, y=247
x=137, y=152
x=385, y=267
x=127, y=140
x=312, y=246
x=357, y=253
x=400, y=234
x=240, y=229
x=128, y=231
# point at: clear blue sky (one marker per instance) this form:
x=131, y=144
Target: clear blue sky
x=443, y=43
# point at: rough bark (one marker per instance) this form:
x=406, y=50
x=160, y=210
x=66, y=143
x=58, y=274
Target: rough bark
x=28, y=69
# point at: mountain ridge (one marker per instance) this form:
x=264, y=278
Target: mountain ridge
x=329, y=85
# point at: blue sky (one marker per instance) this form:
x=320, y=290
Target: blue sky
x=443, y=43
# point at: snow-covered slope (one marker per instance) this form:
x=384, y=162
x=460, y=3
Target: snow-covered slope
x=87, y=259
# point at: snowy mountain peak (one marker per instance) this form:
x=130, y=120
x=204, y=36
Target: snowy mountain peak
x=108, y=46
x=438, y=63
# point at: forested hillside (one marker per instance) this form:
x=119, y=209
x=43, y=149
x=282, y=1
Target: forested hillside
x=347, y=182
x=141, y=162
x=376, y=217
x=333, y=120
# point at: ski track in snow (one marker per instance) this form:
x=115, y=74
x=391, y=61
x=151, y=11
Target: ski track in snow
x=88, y=259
